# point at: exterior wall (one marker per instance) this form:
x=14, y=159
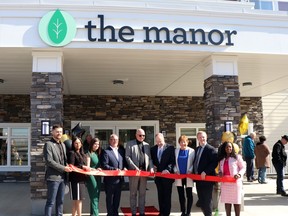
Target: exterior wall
x=15, y=108
x=275, y=116
x=168, y=110
x=252, y=106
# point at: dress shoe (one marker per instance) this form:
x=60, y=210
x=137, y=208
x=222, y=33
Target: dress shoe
x=250, y=180
x=284, y=194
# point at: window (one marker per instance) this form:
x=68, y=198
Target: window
x=126, y=130
x=282, y=6
x=14, y=147
x=190, y=130
x=263, y=5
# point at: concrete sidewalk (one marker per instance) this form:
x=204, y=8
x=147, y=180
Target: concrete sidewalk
x=259, y=199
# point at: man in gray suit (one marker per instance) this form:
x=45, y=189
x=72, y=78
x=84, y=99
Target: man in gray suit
x=138, y=158
x=56, y=169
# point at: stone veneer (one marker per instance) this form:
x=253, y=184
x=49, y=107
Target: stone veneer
x=46, y=103
x=222, y=103
x=168, y=110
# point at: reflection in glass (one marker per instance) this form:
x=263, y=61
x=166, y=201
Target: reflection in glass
x=188, y=131
x=103, y=135
x=19, y=152
x=3, y=152
x=19, y=132
x=125, y=135
x=3, y=131
x=150, y=135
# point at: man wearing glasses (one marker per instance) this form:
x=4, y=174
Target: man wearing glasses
x=138, y=158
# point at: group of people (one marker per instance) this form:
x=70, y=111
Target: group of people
x=261, y=153
x=138, y=155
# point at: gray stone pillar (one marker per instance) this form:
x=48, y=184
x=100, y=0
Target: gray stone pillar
x=222, y=96
x=46, y=104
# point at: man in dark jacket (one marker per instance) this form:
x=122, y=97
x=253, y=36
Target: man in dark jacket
x=56, y=168
x=279, y=158
x=163, y=157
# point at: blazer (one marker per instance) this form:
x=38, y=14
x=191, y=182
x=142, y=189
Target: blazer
x=132, y=155
x=110, y=162
x=236, y=165
x=167, y=159
x=191, y=156
x=208, y=161
x=55, y=167
x=78, y=161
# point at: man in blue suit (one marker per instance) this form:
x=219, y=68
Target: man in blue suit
x=205, y=163
x=113, y=158
x=163, y=157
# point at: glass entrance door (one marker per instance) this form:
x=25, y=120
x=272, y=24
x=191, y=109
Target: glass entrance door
x=126, y=130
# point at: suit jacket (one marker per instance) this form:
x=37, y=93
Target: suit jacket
x=208, y=161
x=55, y=166
x=133, y=156
x=191, y=156
x=77, y=160
x=110, y=162
x=236, y=165
x=167, y=159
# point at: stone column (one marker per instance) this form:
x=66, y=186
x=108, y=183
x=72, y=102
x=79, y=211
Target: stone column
x=221, y=95
x=46, y=104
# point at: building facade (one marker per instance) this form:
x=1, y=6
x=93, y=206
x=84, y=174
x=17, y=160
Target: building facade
x=175, y=67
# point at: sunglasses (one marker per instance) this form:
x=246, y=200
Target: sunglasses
x=141, y=135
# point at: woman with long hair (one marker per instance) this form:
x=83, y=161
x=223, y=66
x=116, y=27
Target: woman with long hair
x=77, y=180
x=231, y=164
x=93, y=183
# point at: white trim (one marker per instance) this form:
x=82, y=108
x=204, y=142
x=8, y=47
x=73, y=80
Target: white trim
x=13, y=168
x=178, y=126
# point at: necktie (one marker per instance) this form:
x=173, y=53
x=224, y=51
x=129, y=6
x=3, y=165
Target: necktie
x=160, y=151
x=198, y=156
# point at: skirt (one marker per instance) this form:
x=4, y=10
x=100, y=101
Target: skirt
x=231, y=192
x=77, y=190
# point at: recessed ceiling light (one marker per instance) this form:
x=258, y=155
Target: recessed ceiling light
x=118, y=82
x=247, y=84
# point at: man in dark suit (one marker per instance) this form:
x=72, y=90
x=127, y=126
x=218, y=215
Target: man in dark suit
x=163, y=158
x=204, y=164
x=113, y=158
x=56, y=168
x=138, y=158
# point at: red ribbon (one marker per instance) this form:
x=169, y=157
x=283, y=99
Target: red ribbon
x=148, y=174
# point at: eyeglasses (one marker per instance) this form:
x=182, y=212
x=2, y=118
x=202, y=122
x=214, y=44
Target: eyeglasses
x=141, y=135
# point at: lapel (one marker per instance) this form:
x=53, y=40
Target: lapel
x=57, y=150
x=113, y=154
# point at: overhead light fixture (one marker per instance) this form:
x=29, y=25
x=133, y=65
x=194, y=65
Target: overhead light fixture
x=247, y=84
x=1, y=81
x=118, y=82
x=45, y=128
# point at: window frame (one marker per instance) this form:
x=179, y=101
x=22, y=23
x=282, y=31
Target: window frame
x=12, y=168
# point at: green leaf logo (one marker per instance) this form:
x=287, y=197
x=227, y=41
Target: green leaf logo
x=57, y=28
